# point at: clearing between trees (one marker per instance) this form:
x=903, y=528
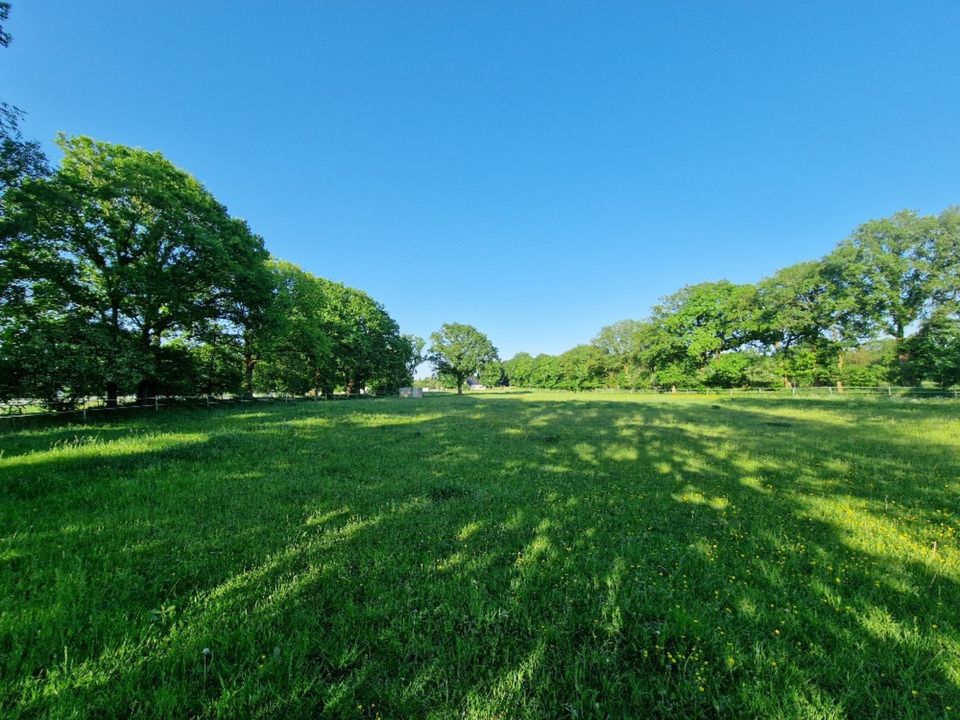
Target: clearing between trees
x=510, y=554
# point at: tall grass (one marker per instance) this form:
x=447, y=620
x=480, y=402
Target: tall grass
x=515, y=555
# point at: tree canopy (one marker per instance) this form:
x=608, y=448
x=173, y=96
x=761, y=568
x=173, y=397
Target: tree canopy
x=122, y=272
x=459, y=351
x=846, y=318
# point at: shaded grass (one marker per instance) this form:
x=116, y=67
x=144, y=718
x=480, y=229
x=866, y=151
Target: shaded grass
x=501, y=555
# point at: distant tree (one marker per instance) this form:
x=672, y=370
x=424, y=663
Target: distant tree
x=581, y=368
x=546, y=372
x=623, y=348
x=518, y=369
x=416, y=354
x=319, y=335
x=458, y=351
x=492, y=374
x=701, y=321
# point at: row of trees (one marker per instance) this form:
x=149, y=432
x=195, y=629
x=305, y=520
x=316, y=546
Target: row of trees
x=120, y=273
x=883, y=307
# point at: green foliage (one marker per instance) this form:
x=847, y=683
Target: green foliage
x=884, y=270
x=701, y=321
x=492, y=374
x=727, y=370
x=677, y=375
x=809, y=323
x=458, y=351
x=5, y=37
x=935, y=350
x=121, y=271
x=519, y=370
x=416, y=347
x=20, y=159
x=122, y=236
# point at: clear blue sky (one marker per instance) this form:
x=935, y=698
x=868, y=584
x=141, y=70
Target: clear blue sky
x=536, y=169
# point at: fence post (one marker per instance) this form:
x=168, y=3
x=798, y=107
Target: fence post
x=156, y=403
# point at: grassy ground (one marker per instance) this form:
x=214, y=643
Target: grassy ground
x=504, y=555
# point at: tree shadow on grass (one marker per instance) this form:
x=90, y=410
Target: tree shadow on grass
x=497, y=557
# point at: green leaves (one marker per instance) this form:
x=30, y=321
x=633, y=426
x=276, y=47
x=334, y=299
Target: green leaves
x=320, y=336
x=139, y=248
x=458, y=351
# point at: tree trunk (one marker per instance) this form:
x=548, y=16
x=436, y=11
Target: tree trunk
x=248, y=364
x=903, y=357
x=113, y=390
x=459, y=386
x=143, y=391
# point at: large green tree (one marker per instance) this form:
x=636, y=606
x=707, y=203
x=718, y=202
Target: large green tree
x=293, y=347
x=697, y=324
x=459, y=351
x=123, y=236
x=944, y=261
x=322, y=336
x=623, y=347
x=884, y=271
x=519, y=369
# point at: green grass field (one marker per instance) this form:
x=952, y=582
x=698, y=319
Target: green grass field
x=502, y=555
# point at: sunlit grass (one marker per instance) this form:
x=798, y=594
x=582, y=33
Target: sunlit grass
x=502, y=555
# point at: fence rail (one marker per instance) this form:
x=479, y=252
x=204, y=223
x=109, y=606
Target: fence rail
x=818, y=390
x=92, y=405
x=32, y=408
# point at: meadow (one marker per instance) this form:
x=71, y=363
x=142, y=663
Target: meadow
x=499, y=555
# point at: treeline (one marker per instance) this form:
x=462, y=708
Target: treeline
x=882, y=308
x=121, y=274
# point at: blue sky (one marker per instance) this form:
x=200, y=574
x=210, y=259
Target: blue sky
x=538, y=170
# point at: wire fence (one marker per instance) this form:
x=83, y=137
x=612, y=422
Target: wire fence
x=892, y=391
x=92, y=406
